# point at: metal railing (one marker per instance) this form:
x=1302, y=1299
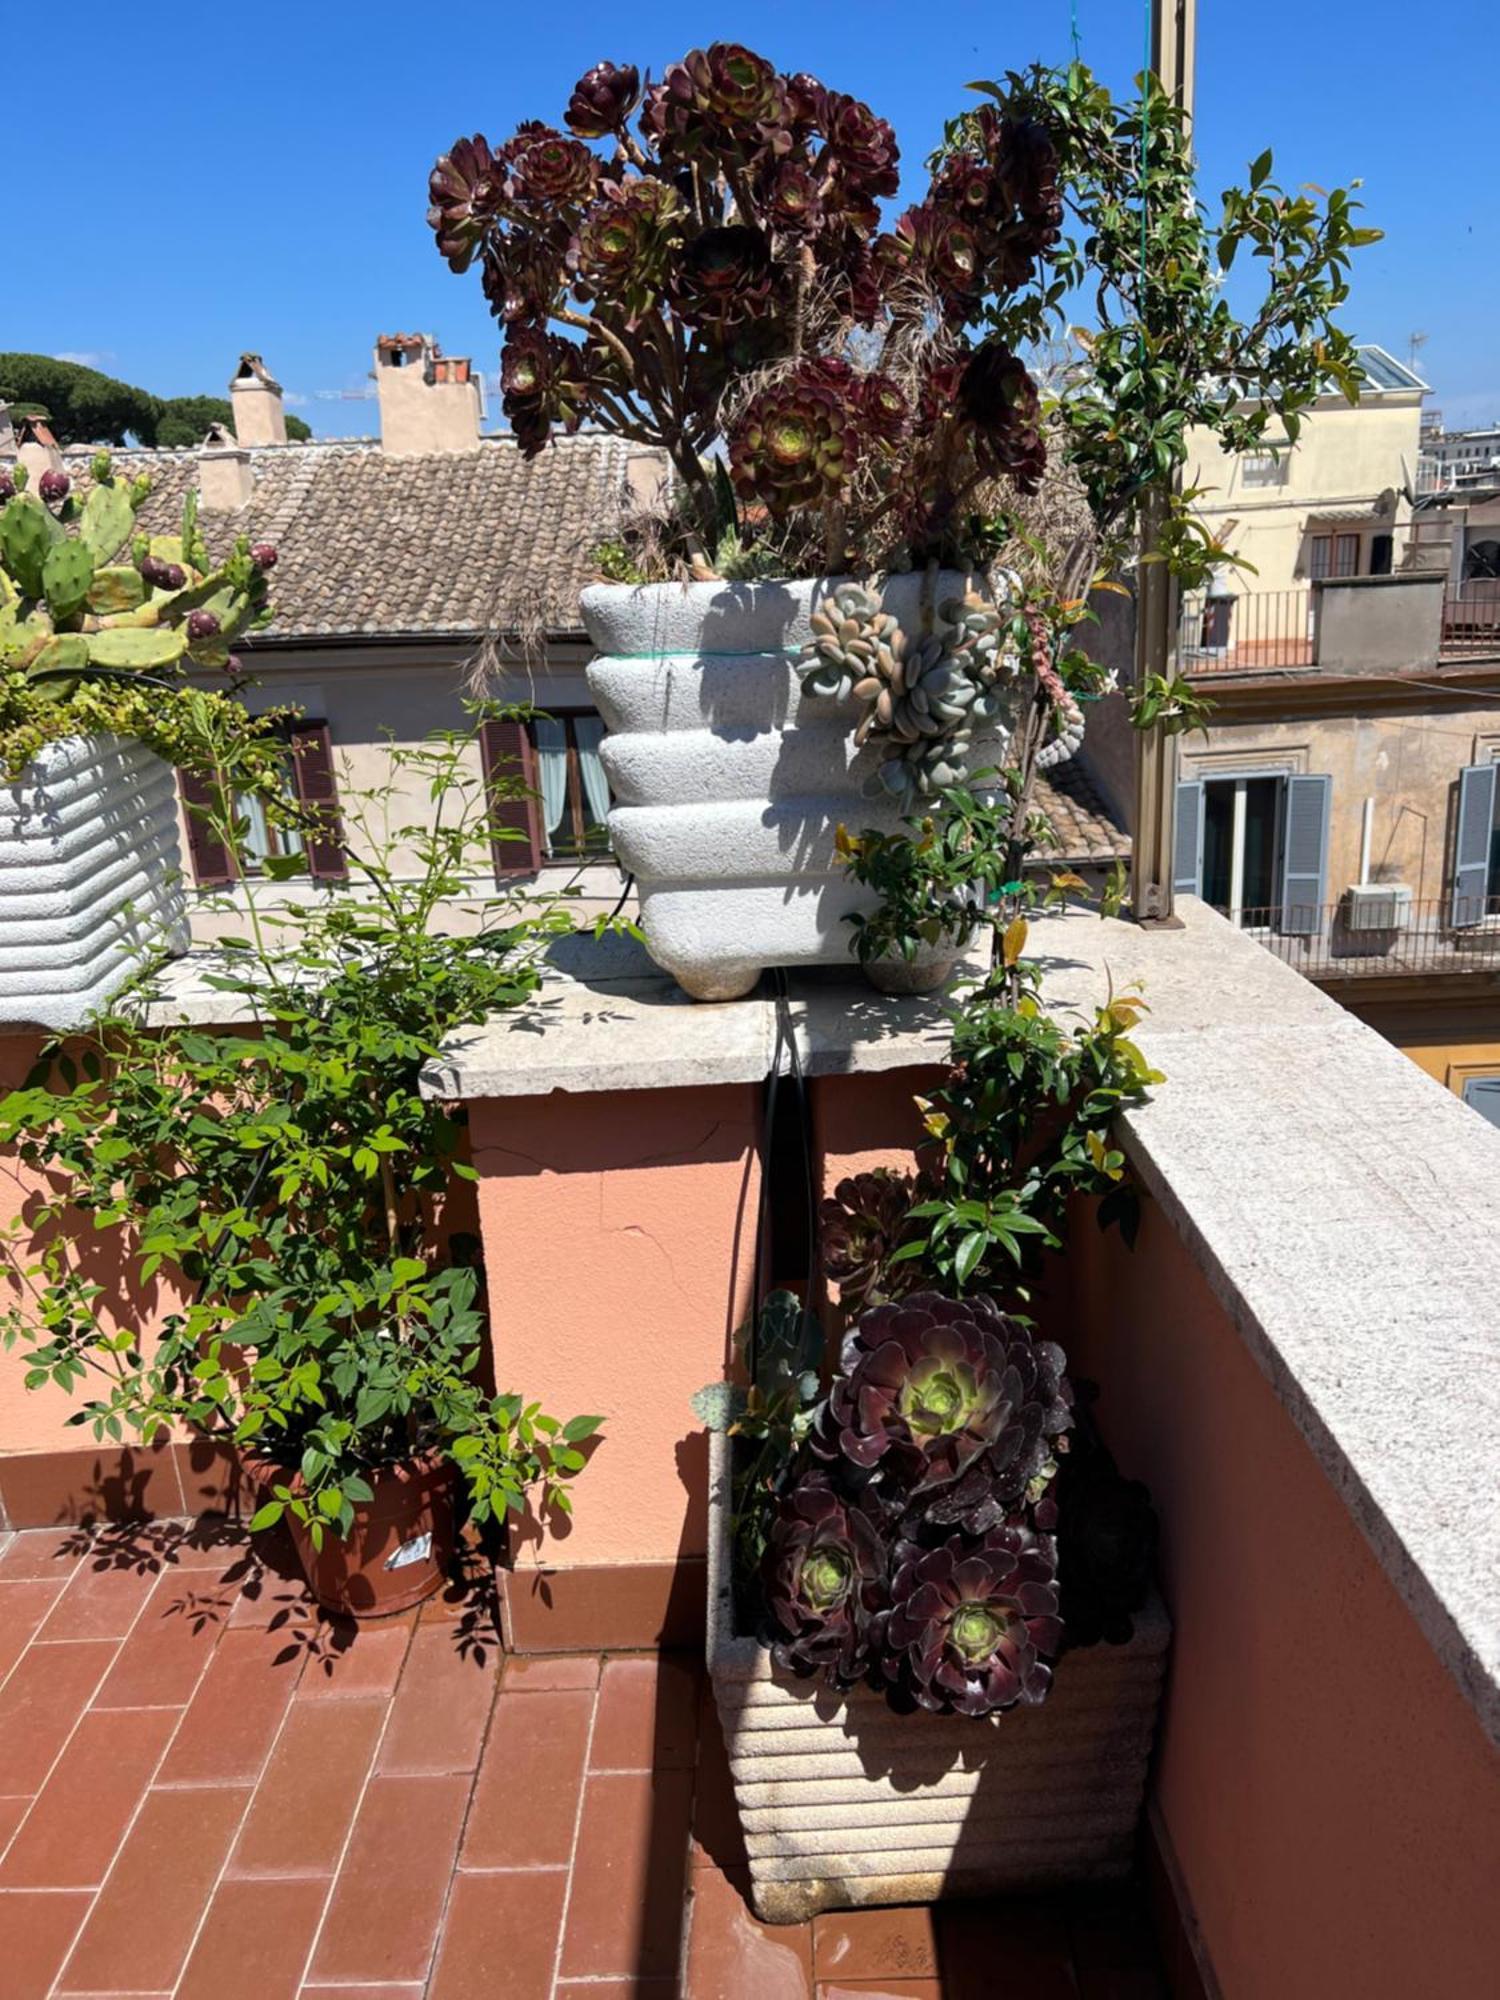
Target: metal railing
x=1471, y=620
x=1242, y=634
x=1379, y=935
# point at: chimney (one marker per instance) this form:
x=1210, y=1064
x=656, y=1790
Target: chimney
x=225, y=481
x=38, y=449
x=255, y=398
x=429, y=401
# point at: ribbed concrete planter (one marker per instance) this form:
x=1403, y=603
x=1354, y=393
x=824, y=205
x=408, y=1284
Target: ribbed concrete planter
x=90, y=877
x=845, y=1803
x=729, y=783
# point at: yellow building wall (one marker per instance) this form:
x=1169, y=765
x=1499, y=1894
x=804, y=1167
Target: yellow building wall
x=1450, y=1040
x=1344, y=457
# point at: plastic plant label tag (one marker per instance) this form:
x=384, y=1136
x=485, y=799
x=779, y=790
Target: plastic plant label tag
x=418, y=1549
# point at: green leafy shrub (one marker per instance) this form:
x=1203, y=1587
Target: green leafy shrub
x=285, y=1193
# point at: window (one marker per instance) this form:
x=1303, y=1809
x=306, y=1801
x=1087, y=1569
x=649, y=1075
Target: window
x=549, y=797
x=310, y=782
x=1482, y=1094
x=574, y=790
x=1334, y=556
x=1263, y=468
x=1255, y=846
x=1476, y=846
x=1240, y=821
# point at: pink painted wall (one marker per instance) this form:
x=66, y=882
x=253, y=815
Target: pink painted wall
x=1332, y=1803
x=31, y=1420
x=619, y=1234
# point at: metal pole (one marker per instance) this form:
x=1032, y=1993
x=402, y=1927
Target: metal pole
x=1173, y=36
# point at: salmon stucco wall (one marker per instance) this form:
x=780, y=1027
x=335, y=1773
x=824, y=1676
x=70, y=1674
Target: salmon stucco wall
x=1330, y=1798
x=619, y=1238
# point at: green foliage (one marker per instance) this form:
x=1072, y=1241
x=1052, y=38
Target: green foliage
x=84, y=406
x=1165, y=349
x=1023, y=1115
x=287, y=1196
x=782, y=1362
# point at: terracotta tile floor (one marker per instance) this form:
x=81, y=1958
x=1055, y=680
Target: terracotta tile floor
x=206, y=1790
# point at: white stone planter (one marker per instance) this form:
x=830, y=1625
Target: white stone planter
x=729, y=783
x=845, y=1803
x=90, y=877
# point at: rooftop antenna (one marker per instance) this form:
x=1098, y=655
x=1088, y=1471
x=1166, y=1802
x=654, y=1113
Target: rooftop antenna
x=1415, y=342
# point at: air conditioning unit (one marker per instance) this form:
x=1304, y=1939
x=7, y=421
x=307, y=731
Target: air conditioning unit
x=1377, y=906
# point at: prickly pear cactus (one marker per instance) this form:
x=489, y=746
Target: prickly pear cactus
x=70, y=608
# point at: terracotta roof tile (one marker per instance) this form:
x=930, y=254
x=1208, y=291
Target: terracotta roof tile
x=389, y=547
x=1085, y=826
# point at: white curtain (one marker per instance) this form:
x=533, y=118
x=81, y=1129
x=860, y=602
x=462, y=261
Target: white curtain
x=552, y=774
x=588, y=733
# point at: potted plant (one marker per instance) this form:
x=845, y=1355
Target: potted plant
x=95, y=621
x=299, y=1203
x=938, y=1530
x=835, y=643
x=705, y=263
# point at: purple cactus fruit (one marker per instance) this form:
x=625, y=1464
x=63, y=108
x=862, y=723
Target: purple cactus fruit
x=54, y=486
x=162, y=575
x=202, y=625
x=263, y=556
x=7, y=487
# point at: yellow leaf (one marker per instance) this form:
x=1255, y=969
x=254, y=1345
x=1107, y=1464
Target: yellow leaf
x=1107, y=583
x=1066, y=879
x=1014, y=941
x=1097, y=1151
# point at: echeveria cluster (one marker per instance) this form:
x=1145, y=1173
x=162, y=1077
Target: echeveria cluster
x=925, y=697
x=913, y=1545
x=723, y=226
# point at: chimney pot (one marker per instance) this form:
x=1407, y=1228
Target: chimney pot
x=429, y=401
x=38, y=450
x=255, y=398
x=225, y=478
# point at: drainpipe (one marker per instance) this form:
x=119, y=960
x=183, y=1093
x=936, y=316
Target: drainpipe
x=1366, y=825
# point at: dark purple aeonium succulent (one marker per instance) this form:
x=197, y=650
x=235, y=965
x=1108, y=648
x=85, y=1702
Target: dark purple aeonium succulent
x=824, y=1581
x=972, y=1624
x=949, y=1407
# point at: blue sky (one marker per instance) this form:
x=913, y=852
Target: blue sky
x=230, y=178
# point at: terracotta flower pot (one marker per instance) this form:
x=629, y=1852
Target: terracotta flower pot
x=401, y=1545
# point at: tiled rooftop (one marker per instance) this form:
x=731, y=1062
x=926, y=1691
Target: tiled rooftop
x=372, y=545
x=208, y=1790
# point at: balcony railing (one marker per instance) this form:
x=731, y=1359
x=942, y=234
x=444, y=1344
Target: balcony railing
x=1471, y=620
x=1381, y=937
x=1242, y=634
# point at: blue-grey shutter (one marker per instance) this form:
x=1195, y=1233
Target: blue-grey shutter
x=1482, y=1094
x=1187, y=840
x=1471, y=849
x=1304, y=855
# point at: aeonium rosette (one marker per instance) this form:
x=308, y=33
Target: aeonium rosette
x=948, y=1406
x=824, y=1582
x=973, y=1623
x=715, y=238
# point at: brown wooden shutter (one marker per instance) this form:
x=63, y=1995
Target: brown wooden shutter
x=318, y=794
x=510, y=765
x=212, y=861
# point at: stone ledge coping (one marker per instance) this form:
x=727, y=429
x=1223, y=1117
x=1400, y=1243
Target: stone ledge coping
x=660, y=1039
x=1345, y=1209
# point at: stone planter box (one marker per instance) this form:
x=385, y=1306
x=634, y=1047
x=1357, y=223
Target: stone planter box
x=729, y=784
x=845, y=1803
x=90, y=877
